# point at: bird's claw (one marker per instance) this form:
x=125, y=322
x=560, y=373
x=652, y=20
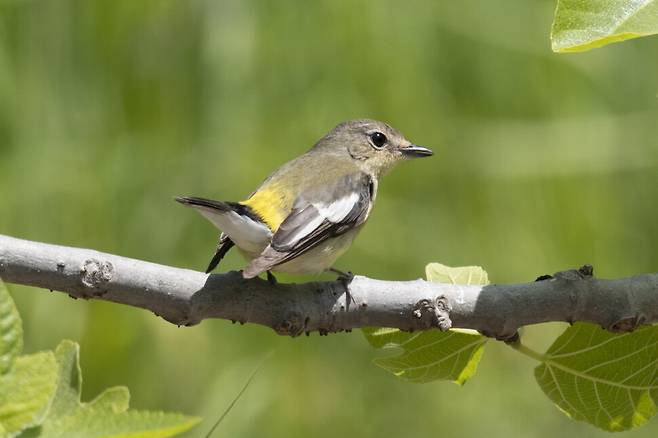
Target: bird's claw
x=345, y=278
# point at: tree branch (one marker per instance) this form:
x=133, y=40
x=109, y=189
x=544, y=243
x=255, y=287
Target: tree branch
x=186, y=297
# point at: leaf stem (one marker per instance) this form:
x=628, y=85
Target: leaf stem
x=527, y=351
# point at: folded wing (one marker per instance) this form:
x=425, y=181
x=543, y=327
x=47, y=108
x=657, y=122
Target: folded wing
x=317, y=215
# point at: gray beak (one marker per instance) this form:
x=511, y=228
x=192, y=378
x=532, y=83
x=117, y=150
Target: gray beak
x=415, y=151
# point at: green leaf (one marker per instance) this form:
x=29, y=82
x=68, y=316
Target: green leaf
x=40, y=394
x=467, y=275
x=69, y=386
x=433, y=355
x=428, y=355
x=11, y=331
x=605, y=379
x=26, y=392
x=27, y=383
x=105, y=416
x=581, y=25
x=97, y=422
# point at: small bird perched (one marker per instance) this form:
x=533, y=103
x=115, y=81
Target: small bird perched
x=306, y=214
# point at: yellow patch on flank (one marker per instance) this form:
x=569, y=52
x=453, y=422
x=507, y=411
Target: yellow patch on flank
x=270, y=205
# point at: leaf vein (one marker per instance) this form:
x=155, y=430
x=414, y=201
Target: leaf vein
x=591, y=347
x=444, y=358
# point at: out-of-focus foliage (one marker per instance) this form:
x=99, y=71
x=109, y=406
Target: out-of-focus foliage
x=40, y=395
x=431, y=355
x=26, y=392
x=27, y=383
x=11, y=331
x=543, y=163
x=587, y=24
x=107, y=415
x=608, y=380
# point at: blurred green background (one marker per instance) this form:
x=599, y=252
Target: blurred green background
x=543, y=162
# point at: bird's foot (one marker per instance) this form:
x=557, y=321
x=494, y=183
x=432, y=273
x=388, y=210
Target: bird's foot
x=345, y=278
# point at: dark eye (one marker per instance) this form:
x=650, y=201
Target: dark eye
x=378, y=139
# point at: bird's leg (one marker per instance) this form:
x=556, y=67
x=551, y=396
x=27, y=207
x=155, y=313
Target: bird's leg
x=271, y=278
x=345, y=278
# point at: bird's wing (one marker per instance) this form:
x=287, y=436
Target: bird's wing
x=316, y=216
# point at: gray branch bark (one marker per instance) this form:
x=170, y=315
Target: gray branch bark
x=186, y=297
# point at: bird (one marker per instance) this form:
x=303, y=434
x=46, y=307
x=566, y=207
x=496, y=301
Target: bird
x=306, y=214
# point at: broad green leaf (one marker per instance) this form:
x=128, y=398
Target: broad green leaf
x=606, y=379
x=27, y=383
x=26, y=392
x=467, y=275
x=11, y=331
x=105, y=416
x=69, y=385
x=94, y=422
x=581, y=25
x=430, y=355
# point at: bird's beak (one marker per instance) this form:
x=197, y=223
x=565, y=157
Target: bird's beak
x=415, y=151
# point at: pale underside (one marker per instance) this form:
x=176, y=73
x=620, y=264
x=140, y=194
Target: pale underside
x=315, y=260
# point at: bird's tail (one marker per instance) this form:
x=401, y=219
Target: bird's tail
x=239, y=224
x=204, y=203
x=209, y=209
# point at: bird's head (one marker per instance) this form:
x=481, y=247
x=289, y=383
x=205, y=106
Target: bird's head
x=376, y=146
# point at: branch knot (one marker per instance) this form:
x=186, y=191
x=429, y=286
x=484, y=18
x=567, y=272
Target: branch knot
x=628, y=324
x=582, y=273
x=95, y=273
x=292, y=325
x=437, y=310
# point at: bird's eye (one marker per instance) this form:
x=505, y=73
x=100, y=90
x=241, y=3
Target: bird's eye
x=378, y=139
